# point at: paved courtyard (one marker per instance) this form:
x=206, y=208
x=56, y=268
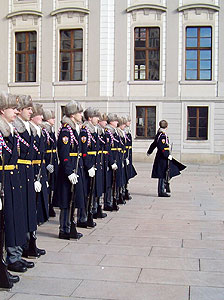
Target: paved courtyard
x=152, y=249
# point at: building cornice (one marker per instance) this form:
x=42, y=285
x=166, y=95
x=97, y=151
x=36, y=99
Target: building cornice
x=199, y=5
x=24, y=12
x=160, y=8
x=70, y=9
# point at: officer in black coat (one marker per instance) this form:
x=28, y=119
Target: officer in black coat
x=163, y=162
x=38, y=162
x=70, y=171
x=51, y=157
x=115, y=163
x=92, y=166
x=26, y=169
x=15, y=234
x=130, y=168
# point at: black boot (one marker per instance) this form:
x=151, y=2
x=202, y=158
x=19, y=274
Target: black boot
x=32, y=250
x=74, y=234
x=167, y=187
x=52, y=213
x=100, y=214
x=5, y=282
x=121, y=199
x=90, y=222
x=161, y=188
x=127, y=195
x=115, y=206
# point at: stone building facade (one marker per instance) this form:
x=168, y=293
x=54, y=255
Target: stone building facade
x=152, y=59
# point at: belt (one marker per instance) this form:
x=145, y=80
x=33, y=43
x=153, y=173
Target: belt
x=166, y=149
x=75, y=154
x=116, y=149
x=37, y=162
x=128, y=147
x=92, y=153
x=9, y=167
x=123, y=151
x=51, y=151
x=104, y=152
x=24, y=162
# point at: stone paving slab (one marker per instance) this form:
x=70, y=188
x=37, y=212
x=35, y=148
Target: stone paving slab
x=150, y=262
x=44, y=297
x=203, y=244
x=46, y=286
x=177, y=277
x=187, y=253
x=206, y=293
x=124, y=291
x=107, y=249
x=212, y=265
x=63, y=271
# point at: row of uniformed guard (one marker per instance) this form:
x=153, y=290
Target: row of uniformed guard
x=95, y=163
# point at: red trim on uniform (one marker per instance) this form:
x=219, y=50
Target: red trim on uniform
x=163, y=150
x=84, y=155
x=65, y=159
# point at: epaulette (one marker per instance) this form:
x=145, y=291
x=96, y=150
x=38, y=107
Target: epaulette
x=106, y=129
x=65, y=125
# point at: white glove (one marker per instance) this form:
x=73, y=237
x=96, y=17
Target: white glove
x=73, y=178
x=92, y=172
x=127, y=161
x=0, y=204
x=47, y=184
x=114, y=166
x=50, y=168
x=170, y=157
x=37, y=186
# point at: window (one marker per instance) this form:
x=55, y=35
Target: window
x=71, y=52
x=198, y=53
x=197, y=128
x=147, y=53
x=145, y=121
x=26, y=48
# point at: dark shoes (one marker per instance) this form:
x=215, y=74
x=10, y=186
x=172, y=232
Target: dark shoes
x=99, y=214
x=108, y=208
x=13, y=278
x=86, y=224
x=64, y=236
x=164, y=195
x=17, y=266
x=28, y=264
x=52, y=213
x=33, y=252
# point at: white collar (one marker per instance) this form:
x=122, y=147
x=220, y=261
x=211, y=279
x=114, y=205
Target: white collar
x=37, y=128
x=27, y=125
x=11, y=128
x=77, y=128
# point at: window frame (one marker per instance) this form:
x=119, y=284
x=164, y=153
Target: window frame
x=26, y=53
x=147, y=49
x=197, y=138
x=145, y=137
x=71, y=51
x=198, y=49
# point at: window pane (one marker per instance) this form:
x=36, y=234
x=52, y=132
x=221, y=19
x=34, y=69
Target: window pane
x=20, y=58
x=32, y=76
x=192, y=42
x=203, y=133
x=203, y=112
x=205, y=54
x=191, y=54
x=77, y=75
x=78, y=40
x=206, y=75
x=21, y=68
x=205, y=64
x=192, y=122
x=192, y=112
x=205, y=42
x=78, y=56
x=140, y=37
x=154, y=38
x=151, y=122
x=192, y=64
x=65, y=61
x=192, y=132
x=191, y=74
x=140, y=112
x=65, y=76
x=205, y=32
x=65, y=39
x=140, y=55
x=20, y=77
x=192, y=32
x=20, y=41
x=32, y=41
x=153, y=70
x=202, y=122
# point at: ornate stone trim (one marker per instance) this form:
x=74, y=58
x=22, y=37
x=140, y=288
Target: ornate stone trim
x=31, y=12
x=215, y=8
x=70, y=10
x=133, y=8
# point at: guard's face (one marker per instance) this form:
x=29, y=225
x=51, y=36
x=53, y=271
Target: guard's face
x=37, y=119
x=10, y=114
x=95, y=120
x=122, y=127
x=26, y=113
x=78, y=117
x=103, y=123
x=128, y=123
x=51, y=121
x=114, y=124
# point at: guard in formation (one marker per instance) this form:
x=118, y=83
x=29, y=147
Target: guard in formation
x=91, y=174
x=165, y=166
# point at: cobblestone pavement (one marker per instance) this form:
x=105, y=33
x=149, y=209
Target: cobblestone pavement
x=153, y=248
